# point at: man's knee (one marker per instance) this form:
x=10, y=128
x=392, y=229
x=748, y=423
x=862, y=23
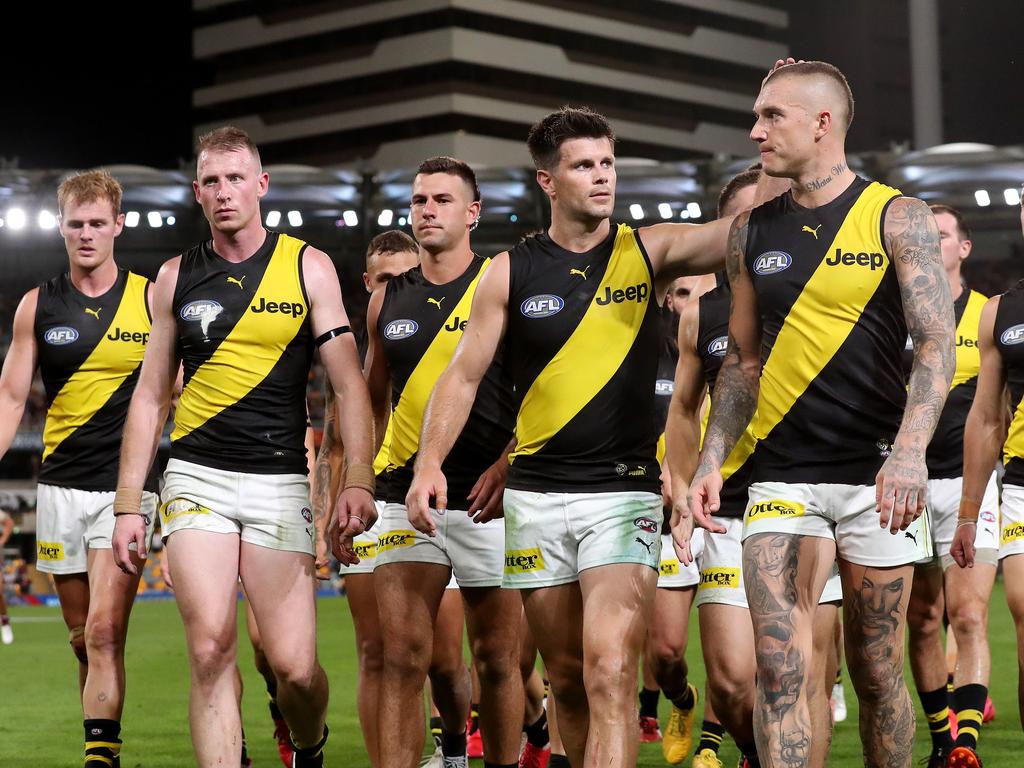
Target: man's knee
x=879, y=680
x=371, y=656
x=667, y=653
x=496, y=660
x=968, y=618
x=103, y=637
x=298, y=673
x=612, y=675
x=211, y=656
x=76, y=638
x=924, y=617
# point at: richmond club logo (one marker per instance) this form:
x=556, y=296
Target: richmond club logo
x=60, y=336
x=543, y=305
x=772, y=262
x=400, y=329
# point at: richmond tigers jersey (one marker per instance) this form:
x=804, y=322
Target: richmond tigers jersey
x=90, y=351
x=832, y=390
x=246, y=345
x=1008, y=334
x=419, y=327
x=945, y=455
x=582, y=342
x=664, y=385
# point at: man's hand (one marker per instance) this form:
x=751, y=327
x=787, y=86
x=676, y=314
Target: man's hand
x=780, y=63
x=128, y=530
x=901, y=489
x=703, y=499
x=354, y=512
x=322, y=562
x=485, y=498
x=962, y=548
x=426, y=483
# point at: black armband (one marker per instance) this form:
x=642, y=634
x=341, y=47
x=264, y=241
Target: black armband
x=325, y=337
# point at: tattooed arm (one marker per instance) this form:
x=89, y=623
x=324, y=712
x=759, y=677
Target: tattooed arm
x=738, y=381
x=327, y=472
x=912, y=241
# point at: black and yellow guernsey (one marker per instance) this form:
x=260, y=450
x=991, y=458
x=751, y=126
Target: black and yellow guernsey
x=582, y=343
x=832, y=390
x=945, y=455
x=1008, y=334
x=245, y=341
x=419, y=326
x=90, y=352
x=712, y=342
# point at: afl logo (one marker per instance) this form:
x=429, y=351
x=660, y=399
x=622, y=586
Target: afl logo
x=400, y=329
x=543, y=305
x=664, y=387
x=772, y=262
x=60, y=336
x=718, y=346
x=200, y=308
x=1014, y=335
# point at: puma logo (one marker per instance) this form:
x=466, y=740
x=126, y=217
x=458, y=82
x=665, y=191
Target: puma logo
x=436, y=302
x=94, y=312
x=647, y=545
x=910, y=536
x=581, y=272
x=238, y=282
x=812, y=231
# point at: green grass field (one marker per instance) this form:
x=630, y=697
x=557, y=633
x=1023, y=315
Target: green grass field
x=40, y=716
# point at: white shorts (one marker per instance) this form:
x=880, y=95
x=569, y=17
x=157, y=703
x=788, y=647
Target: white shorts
x=721, y=574
x=270, y=511
x=1011, y=541
x=673, y=574
x=844, y=513
x=474, y=551
x=69, y=522
x=551, y=537
x=942, y=510
x=365, y=545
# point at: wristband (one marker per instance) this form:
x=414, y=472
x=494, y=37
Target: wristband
x=360, y=476
x=127, y=501
x=969, y=509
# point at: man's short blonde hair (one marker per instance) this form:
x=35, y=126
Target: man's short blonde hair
x=227, y=138
x=88, y=187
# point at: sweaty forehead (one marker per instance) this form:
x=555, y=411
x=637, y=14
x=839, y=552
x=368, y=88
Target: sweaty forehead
x=221, y=160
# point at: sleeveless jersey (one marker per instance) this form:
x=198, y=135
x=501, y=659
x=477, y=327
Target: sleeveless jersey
x=582, y=343
x=664, y=385
x=832, y=390
x=419, y=327
x=945, y=455
x=90, y=352
x=246, y=344
x=1008, y=334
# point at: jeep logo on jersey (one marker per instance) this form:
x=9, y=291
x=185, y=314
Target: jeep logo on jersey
x=637, y=293
x=293, y=308
x=718, y=346
x=772, y=262
x=664, y=387
x=196, y=310
x=400, y=329
x=1014, y=335
x=542, y=305
x=872, y=260
x=60, y=335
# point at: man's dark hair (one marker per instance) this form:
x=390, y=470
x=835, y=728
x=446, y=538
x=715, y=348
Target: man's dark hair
x=832, y=72
x=546, y=137
x=746, y=178
x=453, y=166
x=962, y=230
x=392, y=241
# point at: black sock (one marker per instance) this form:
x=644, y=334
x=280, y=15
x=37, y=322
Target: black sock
x=749, y=751
x=687, y=699
x=949, y=686
x=711, y=735
x=969, y=703
x=936, y=711
x=275, y=713
x=559, y=761
x=474, y=718
x=311, y=755
x=649, y=702
x=245, y=749
x=453, y=744
x=435, y=731
x=102, y=740
x=537, y=734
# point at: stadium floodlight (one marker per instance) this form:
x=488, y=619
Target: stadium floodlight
x=401, y=221
x=351, y=218
x=2, y=223
x=513, y=218
x=684, y=214
x=155, y=219
x=16, y=218
x=694, y=210
x=385, y=218
x=665, y=210
x=981, y=198
x=171, y=221
x=636, y=211
x=1011, y=196
x=131, y=219
x=295, y=218
x=47, y=220
x=273, y=218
